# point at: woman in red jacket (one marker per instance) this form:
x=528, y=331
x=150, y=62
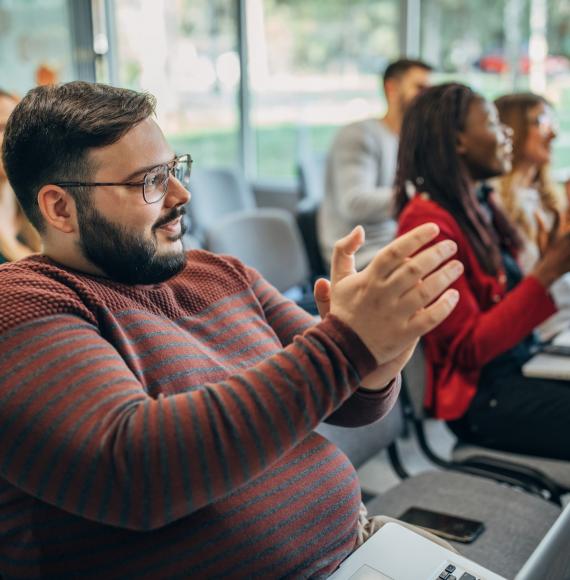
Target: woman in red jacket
x=451, y=139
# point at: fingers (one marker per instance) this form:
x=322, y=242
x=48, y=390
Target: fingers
x=427, y=290
x=541, y=232
x=428, y=318
x=545, y=235
x=322, y=294
x=415, y=269
x=556, y=227
x=540, y=223
x=342, y=260
x=394, y=254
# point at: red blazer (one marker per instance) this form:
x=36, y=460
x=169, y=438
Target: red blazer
x=485, y=323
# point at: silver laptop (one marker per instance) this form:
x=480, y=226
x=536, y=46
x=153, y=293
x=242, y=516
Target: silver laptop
x=397, y=553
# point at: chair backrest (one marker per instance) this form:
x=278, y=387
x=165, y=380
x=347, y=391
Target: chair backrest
x=215, y=193
x=362, y=443
x=267, y=239
x=414, y=376
x=307, y=212
x=191, y=242
x=311, y=170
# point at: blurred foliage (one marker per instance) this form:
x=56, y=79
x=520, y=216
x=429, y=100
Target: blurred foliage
x=336, y=34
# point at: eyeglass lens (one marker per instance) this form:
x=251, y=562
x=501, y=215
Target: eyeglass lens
x=182, y=170
x=156, y=181
x=546, y=122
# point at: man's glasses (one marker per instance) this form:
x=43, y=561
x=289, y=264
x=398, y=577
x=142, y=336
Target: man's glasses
x=155, y=182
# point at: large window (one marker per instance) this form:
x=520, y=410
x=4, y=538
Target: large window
x=313, y=66
x=185, y=53
x=35, y=43
x=502, y=46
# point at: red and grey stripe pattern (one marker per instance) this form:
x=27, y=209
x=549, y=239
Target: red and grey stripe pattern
x=165, y=432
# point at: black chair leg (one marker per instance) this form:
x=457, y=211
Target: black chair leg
x=396, y=462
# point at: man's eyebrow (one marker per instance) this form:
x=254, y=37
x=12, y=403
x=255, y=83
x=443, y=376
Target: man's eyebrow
x=146, y=169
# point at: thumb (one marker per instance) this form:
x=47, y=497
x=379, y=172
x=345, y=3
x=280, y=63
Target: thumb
x=322, y=294
x=342, y=260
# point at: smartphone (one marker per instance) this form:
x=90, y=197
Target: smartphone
x=444, y=525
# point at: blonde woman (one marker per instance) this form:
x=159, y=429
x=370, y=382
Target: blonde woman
x=18, y=238
x=527, y=192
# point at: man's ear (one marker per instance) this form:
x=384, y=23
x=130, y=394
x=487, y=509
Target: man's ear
x=58, y=208
x=390, y=88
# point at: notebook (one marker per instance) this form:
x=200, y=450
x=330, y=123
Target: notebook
x=548, y=366
x=397, y=553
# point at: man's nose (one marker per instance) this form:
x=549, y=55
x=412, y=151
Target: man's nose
x=176, y=193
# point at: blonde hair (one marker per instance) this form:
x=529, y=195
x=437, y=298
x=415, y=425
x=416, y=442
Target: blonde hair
x=513, y=111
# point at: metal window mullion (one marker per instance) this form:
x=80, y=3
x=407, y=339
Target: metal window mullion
x=81, y=27
x=112, y=55
x=512, y=26
x=246, y=138
x=410, y=28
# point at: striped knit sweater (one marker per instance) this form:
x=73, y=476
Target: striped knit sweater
x=167, y=431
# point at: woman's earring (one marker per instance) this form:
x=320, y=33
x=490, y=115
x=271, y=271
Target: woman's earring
x=410, y=189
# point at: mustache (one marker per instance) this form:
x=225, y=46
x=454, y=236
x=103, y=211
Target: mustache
x=173, y=214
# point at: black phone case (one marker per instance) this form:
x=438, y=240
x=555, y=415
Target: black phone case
x=446, y=526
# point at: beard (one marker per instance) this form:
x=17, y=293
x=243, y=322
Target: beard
x=405, y=103
x=127, y=257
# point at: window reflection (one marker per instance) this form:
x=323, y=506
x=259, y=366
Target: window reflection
x=35, y=44
x=502, y=46
x=314, y=66
x=185, y=53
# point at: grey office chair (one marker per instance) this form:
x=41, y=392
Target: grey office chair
x=311, y=179
x=216, y=192
x=311, y=174
x=514, y=522
x=265, y=238
x=546, y=477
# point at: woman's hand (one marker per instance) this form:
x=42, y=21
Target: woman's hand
x=555, y=262
x=545, y=236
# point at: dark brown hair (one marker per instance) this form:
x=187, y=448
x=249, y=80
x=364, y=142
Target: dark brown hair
x=428, y=159
x=52, y=129
x=399, y=68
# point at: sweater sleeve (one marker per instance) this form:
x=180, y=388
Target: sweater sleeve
x=355, y=176
x=287, y=320
x=78, y=431
x=472, y=336
x=366, y=406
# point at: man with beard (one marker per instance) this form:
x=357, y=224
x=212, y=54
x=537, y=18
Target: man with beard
x=361, y=167
x=157, y=408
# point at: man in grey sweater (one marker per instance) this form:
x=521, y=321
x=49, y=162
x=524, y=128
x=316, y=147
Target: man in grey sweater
x=361, y=167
